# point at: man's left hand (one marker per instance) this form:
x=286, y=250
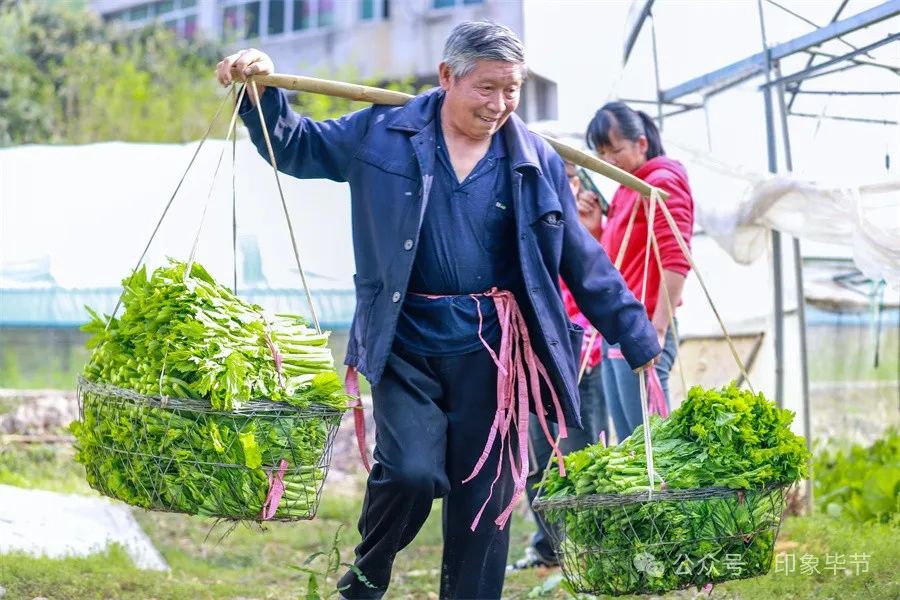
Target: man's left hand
x=649, y=365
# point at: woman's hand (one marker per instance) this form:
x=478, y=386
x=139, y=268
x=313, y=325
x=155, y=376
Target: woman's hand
x=589, y=212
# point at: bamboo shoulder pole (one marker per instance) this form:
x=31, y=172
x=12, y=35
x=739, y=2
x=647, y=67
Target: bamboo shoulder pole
x=365, y=93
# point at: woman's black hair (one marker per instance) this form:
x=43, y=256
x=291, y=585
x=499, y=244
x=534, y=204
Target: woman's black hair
x=631, y=124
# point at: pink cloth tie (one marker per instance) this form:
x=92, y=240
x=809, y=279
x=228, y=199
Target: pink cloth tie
x=276, y=491
x=519, y=372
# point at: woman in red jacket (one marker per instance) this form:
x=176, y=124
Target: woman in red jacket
x=629, y=140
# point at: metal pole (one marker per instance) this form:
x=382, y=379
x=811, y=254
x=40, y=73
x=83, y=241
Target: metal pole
x=659, y=106
x=776, y=236
x=801, y=300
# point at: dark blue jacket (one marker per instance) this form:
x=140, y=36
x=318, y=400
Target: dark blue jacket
x=387, y=154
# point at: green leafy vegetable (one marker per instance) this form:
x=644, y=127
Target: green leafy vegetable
x=188, y=338
x=861, y=484
x=717, y=438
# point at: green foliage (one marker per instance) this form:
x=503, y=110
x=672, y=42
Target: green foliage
x=185, y=336
x=189, y=337
x=861, y=484
x=71, y=78
x=726, y=437
x=37, y=466
x=319, y=107
x=327, y=574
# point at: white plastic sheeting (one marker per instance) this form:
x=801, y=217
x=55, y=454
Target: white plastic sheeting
x=74, y=220
x=736, y=207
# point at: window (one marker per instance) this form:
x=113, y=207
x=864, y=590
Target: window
x=326, y=13
x=367, y=10
x=452, y=3
x=251, y=20
x=276, y=17
x=190, y=27
x=178, y=15
x=230, y=21
x=166, y=6
x=372, y=10
x=247, y=19
x=301, y=15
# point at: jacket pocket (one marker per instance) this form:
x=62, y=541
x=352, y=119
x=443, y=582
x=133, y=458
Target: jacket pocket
x=549, y=229
x=367, y=291
x=389, y=162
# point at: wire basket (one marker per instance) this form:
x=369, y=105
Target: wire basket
x=638, y=544
x=263, y=461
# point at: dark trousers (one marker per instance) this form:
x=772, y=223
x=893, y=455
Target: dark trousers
x=594, y=419
x=432, y=418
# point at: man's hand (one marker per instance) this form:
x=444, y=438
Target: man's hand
x=589, y=212
x=649, y=365
x=242, y=64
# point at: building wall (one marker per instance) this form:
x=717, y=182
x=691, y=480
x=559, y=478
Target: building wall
x=339, y=37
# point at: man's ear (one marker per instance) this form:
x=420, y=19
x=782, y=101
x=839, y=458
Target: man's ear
x=445, y=75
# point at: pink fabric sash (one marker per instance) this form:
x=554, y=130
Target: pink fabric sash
x=656, y=398
x=519, y=372
x=351, y=386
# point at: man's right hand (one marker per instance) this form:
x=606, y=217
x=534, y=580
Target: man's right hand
x=242, y=64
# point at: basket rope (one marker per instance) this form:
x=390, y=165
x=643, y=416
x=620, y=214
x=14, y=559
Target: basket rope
x=231, y=135
x=655, y=200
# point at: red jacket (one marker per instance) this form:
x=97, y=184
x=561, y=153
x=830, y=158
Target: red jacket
x=668, y=175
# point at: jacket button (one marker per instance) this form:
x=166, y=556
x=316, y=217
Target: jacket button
x=395, y=297
x=407, y=245
x=522, y=237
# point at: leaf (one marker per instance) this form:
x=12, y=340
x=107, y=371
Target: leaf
x=312, y=588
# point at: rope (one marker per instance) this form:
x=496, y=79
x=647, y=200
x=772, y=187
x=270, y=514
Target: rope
x=168, y=205
x=687, y=254
x=212, y=184
x=643, y=374
x=671, y=314
x=234, y=197
x=584, y=362
x=287, y=214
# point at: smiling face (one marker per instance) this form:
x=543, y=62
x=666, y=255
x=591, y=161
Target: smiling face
x=479, y=103
x=626, y=154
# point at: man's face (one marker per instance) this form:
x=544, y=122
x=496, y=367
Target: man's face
x=478, y=104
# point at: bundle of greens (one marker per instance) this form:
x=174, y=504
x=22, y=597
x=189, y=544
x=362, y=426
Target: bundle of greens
x=199, y=354
x=210, y=464
x=189, y=337
x=718, y=438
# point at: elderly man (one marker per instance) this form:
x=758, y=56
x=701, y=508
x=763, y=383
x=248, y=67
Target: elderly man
x=463, y=222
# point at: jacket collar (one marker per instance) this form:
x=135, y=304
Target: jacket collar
x=418, y=113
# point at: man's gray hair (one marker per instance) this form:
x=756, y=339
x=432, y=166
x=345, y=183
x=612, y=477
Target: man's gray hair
x=471, y=41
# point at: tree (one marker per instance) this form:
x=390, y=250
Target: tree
x=70, y=78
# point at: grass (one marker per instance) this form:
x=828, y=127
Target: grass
x=43, y=467
x=210, y=560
